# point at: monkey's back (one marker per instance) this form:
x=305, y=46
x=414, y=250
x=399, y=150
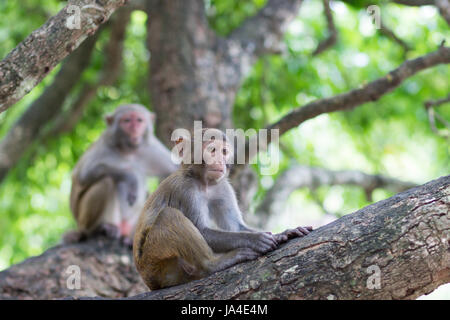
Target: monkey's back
x=165, y=238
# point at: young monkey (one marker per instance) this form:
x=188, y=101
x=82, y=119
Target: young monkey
x=175, y=241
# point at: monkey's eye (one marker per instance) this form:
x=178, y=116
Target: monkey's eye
x=126, y=120
x=139, y=120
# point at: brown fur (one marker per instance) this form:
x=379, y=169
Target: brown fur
x=182, y=252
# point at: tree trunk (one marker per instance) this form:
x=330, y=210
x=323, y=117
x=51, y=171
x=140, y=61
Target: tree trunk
x=398, y=248
x=194, y=73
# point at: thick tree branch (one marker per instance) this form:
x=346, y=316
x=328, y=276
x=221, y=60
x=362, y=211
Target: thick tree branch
x=405, y=239
x=263, y=32
x=108, y=76
x=444, y=9
x=299, y=176
x=106, y=266
x=332, y=32
x=45, y=108
x=26, y=65
x=370, y=92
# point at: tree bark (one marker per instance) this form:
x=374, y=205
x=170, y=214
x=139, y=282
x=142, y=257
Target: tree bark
x=405, y=240
x=26, y=65
x=45, y=108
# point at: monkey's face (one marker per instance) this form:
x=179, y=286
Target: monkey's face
x=216, y=153
x=134, y=124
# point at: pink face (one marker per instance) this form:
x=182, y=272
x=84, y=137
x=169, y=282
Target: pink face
x=215, y=156
x=134, y=125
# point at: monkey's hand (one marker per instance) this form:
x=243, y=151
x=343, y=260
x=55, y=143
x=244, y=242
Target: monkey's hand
x=263, y=242
x=292, y=233
x=246, y=254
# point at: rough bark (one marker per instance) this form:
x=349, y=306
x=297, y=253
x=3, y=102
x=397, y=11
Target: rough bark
x=347, y=101
x=26, y=65
x=406, y=236
x=106, y=269
x=108, y=76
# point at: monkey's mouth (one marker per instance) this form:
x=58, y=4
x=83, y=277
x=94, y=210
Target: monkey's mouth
x=134, y=140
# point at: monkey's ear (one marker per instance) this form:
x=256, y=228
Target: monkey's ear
x=182, y=147
x=109, y=119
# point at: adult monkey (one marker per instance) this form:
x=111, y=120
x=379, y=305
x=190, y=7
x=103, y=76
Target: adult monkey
x=175, y=241
x=109, y=181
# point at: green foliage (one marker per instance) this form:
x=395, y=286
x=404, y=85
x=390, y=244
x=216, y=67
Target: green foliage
x=390, y=137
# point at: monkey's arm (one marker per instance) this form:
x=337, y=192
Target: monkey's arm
x=224, y=241
x=158, y=160
x=92, y=174
x=126, y=181
x=225, y=211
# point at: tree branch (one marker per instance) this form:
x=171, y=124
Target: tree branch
x=108, y=76
x=432, y=116
x=386, y=31
x=369, y=92
x=332, y=32
x=26, y=65
x=263, y=32
x=415, y=3
x=299, y=176
x=405, y=238
x=45, y=108
x=444, y=9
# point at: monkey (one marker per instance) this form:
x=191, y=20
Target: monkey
x=191, y=226
x=109, y=181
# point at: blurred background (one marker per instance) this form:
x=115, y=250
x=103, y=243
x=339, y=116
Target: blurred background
x=392, y=138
